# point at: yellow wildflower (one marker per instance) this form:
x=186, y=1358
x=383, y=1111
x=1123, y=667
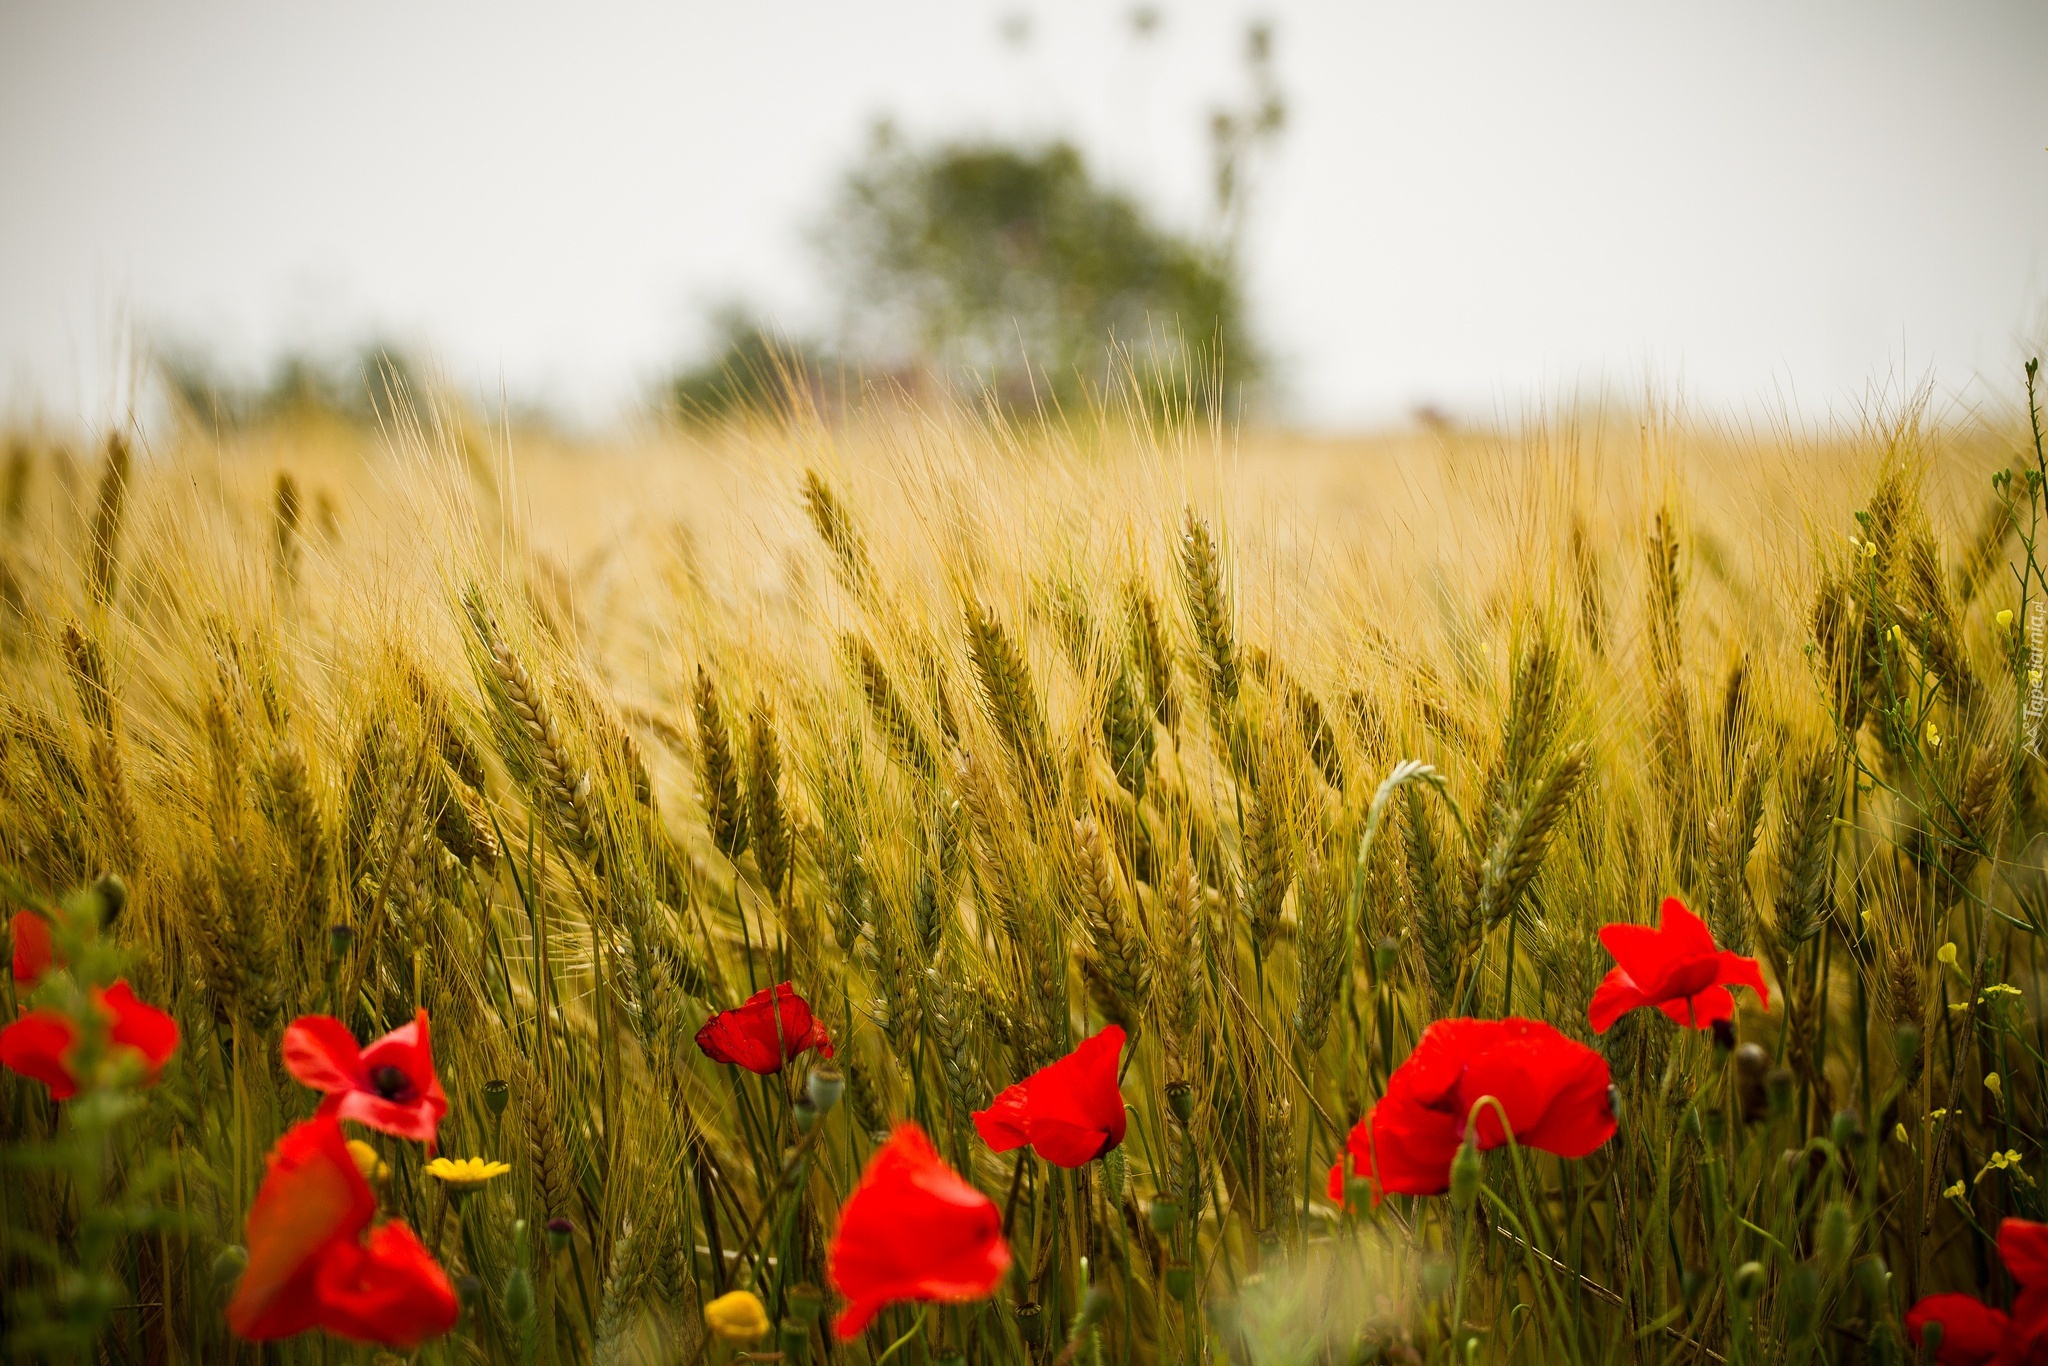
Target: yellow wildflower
x=373, y=1167
x=465, y=1173
x=2001, y=989
x=1933, y=734
x=1936, y=1115
x=1946, y=955
x=1899, y=1132
x=1994, y=1084
x=2007, y=1161
x=1954, y=1192
x=2005, y=616
x=2034, y=677
x=737, y=1317
x=1870, y=549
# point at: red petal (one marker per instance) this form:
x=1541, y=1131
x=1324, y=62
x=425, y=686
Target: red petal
x=320, y=1052
x=34, y=950
x=1699, y=1011
x=1615, y=997
x=913, y=1230
x=1971, y=1331
x=1005, y=1124
x=313, y=1198
x=1738, y=971
x=393, y=1292
x=1357, y=1156
x=1554, y=1091
x=1433, y=1070
x=2024, y=1246
x=1412, y=1145
x=144, y=1028
x=1073, y=1109
x=761, y=1037
x=1687, y=933
x=35, y=1046
x=409, y=1048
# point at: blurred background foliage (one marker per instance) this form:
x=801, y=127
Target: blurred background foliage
x=1014, y=273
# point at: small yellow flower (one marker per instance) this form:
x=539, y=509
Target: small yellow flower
x=2002, y=989
x=465, y=1173
x=2007, y=1161
x=1933, y=735
x=2034, y=677
x=1899, y=1132
x=2005, y=616
x=1946, y=955
x=1994, y=1084
x=1870, y=549
x=373, y=1167
x=1898, y=637
x=1936, y=1115
x=1954, y=1192
x=737, y=1317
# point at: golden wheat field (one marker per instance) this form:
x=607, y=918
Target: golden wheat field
x=1274, y=752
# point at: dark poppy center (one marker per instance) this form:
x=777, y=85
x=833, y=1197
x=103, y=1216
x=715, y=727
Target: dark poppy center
x=390, y=1083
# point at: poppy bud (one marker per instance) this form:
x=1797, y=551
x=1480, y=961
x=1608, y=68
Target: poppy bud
x=560, y=1231
x=806, y=1301
x=1847, y=1129
x=1906, y=1050
x=1931, y=1334
x=1724, y=1039
x=1165, y=1216
x=1875, y=1281
x=1465, y=1173
x=737, y=1316
x=1115, y=1171
x=1834, y=1233
x=1749, y=1282
x=1385, y=955
x=796, y=1343
x=340, y=939
x=518, y=1297
x=1180, y=1281
x=1180, y=1098
x=1779, y=1084
x=1031, y=1320
x=824, y=1086
x=1751, y=1065
x=496, y=1093
x=113, y=895
x=805, y=1113
x=469, y=1289
x=229, y=1264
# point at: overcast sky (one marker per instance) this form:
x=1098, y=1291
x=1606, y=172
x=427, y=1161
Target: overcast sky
x=1482, y=205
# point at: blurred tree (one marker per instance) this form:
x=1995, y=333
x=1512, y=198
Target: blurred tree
x=751, y=369
x=1013, y=268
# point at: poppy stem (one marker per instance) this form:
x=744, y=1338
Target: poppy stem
x=915, y=1325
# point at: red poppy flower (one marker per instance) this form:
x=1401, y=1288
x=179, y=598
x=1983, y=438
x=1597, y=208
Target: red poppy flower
x=2024, y=1246
x=34, y=950
x=1675, y=968
x=752, y=1035
x=1555, y=1092
x=913, y=1230
x=389, y=1086
x=1070, y=1112
x=39, y=1044
x=309, y=1266
x=1972, y=1332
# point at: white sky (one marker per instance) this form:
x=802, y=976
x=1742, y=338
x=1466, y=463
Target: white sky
x=1481, y=204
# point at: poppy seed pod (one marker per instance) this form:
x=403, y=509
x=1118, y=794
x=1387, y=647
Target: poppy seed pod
x=340, y=939
x=496, y=1094
x=1031, y=1321
x=806, y=1301
x=1724, y=1038
x=825, y=1084
x=1748, y=1283
x=1847, y=1129
x=560, y=1231
x=1779, y=1085
x=229, y=1264
x=1385, y=956
x=1752, y=1064
x=1165, y=1216
x=805, y=1113
x=1180, y=1281
x=1180, y=1098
